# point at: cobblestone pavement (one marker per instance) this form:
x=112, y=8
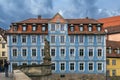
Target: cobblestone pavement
x=2, y=76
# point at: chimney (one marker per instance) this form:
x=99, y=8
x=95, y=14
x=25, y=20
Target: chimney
x=39, y=16
x=86, y=17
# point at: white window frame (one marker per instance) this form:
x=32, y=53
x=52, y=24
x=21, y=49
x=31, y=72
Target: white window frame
x=51, y=39
x=79, y=52
x=41, y=38
x=101, y=65
x=41, y=51
x=79, y=39
x=64, y=39
x=90, y=39
x=64, y=66
x=99, y=37
x=83, y=66
x=74, y=51
x=31, y=52
x=24, y=62
x=74, y=66
x=88, y=66
x=34, y=27
x=90, y=57
x=101, y=52
x=55, y=67
x=34, y=62
x=17, y=52
x=24, y=27
x=54, y=28
x=64, y=52
x=73, y=40
x=55, y=51
x=22, y=39
x=16, y=39
x=22, y=52
x=32, y=39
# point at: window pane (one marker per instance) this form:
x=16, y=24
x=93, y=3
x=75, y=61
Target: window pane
x=14, y=39
x=90, y=66
x=99, y=52
x=81, y=39
x=24, y=52
x=62, y=66
x=52, y=27
x=23, y=39
x=71, y=39
x=33, y=39
x=90, y=52
x=62, y=52
x=71, y=66
x=71, y=52
x=52, y=39
x=81, y=66
x=100, y=66
x=33, y=52
x=62, y=39
x=14, y=52
x=81, y=52
x=52, y=52
x=53, y=66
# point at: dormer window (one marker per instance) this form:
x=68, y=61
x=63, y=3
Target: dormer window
x=81, y=27
x=24, y=27
x=14, y=27
x=110, y=50
x=71, y=27
x=99, y=27
x=90, y=27
x=34, y=27
x=43, y=27
x=118, y=51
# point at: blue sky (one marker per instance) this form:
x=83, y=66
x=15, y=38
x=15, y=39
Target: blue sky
x=17, y=10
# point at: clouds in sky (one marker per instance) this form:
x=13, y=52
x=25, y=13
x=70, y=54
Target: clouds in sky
x=17, y=10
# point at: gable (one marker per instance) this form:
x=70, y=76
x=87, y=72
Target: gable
x=58, y=19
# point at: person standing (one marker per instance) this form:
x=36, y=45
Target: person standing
x=6, y=66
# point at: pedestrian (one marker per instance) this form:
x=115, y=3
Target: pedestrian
x=6, y=66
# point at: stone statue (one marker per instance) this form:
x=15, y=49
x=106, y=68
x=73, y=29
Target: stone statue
x=47, y=58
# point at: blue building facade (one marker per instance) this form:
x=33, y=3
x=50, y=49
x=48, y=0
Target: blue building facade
x=76, y=45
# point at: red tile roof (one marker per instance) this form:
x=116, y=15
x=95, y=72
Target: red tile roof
x=114, y=45
x=113, y=29
x=110, y=21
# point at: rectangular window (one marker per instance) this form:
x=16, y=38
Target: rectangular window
x=3, y=53
x=52, y=52
x=99, y=52
x=90, y=52
x=72, y=52
x=15, y=28
x=14, y=52
x=72, y=66
x=108, y=73
x=42, y=38
x=81, y=66
x=3, y=45
x=53, y=66
x=81, y=52
x=62, y=27
x=62, y=66
x=107, y=62
x=24, y=52
x=113, y=72
x=62, y=39
x=113, y=62
x=34, y=40
x=98, y=28
x=24, y=64
x=24, y=27
x=71, y=39
x=52, y=27
x=14, y=39
x=81, y=28
x=99, y=39
x=90, y=39
x=34, y=28
x=42, y=52
x=81, y=39
x=33, y=52
x=62, y=52
x=52, y=39
x=43, y=28
x=71, y=28
x=23, y=39
x=99, y=66
x=90, y=66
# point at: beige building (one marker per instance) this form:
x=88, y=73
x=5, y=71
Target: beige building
x=3, y=46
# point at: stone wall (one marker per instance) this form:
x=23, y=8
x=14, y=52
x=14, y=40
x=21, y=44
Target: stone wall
x=71, y=77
